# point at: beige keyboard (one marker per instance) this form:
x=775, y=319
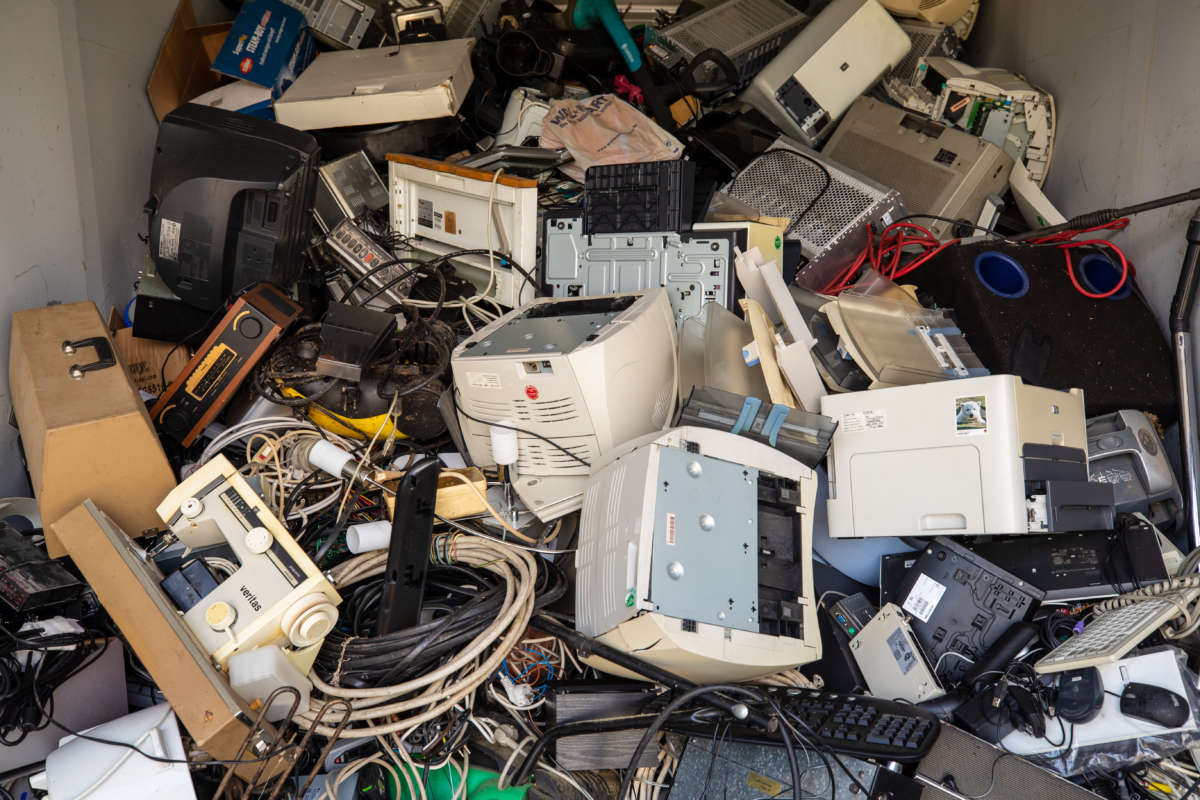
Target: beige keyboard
x=1114, y=633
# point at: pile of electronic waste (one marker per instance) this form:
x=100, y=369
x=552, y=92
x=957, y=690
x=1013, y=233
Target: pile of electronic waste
x=519, y=402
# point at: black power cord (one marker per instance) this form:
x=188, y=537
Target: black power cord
x=547, y=440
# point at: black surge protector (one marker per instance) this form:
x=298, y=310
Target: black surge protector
x=29, y=579
x=961, y=603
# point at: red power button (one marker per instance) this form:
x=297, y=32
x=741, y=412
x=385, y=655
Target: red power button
x=531, y=392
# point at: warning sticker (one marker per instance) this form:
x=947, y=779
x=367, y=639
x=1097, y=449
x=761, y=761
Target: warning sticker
x=859, y=421
x=923, y=597
x=764, y=785
x=902, y=651
x=168, y=239
x=425, y=213
x=483, y=380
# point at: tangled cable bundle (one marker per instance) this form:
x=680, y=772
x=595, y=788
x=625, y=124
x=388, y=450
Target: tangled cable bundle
x=401, y=707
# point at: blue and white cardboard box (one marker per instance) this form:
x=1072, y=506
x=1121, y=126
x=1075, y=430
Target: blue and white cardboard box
x=270, y=44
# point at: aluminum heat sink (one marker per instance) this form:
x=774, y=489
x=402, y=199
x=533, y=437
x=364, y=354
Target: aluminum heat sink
x=829, y=205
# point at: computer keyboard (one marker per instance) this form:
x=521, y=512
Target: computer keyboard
x=850, y=724
x=862, y=726
x=1114, y=633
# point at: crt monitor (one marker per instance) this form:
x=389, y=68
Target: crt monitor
x=229, y=203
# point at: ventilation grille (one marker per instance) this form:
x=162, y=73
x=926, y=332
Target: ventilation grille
x=610, y=535
x=925, y=5
x=922, y=43
x=615, y=483
x=731, y=27
x=601, y=561
x=524, y=412
x=818, y=198
x=491, y=410
x=538, y=457
x=662, y=405
x=463, y=15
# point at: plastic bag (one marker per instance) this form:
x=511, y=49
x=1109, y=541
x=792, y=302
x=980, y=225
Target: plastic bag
x=605, y=130
x=1113, y=741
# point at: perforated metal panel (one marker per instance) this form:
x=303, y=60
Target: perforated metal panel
x=927, y=39
x=922, y=41
x=830, y=206
x=979, y=770
x=747, y=31
x=783, y=183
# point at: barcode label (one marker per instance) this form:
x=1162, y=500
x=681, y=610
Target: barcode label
x=924, y=597
x=168, y=239
x=902, y=651
x=860, y=421
x=671, y=529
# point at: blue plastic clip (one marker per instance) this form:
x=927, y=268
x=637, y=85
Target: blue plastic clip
x=774, y=422
x=749, y=411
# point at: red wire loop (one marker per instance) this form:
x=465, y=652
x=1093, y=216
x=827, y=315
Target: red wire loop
x=895, y=239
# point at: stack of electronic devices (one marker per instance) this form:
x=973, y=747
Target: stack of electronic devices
x=664, y=402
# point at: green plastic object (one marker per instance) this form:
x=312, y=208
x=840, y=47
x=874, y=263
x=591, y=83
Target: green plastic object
x=443, y=785
x=585, y=14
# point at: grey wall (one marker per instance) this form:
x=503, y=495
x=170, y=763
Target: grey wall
x=41, y=221
x=1123, y=76
x=76, y=138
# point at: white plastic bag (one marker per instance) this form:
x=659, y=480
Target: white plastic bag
x=605, y=130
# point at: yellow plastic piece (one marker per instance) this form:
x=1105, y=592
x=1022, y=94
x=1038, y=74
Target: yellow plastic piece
x=335, y=423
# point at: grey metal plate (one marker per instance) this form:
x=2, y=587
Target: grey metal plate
x=743, y=771
x=695, y=269
x=717, y=568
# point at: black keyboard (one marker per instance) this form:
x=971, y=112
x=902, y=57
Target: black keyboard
x=862, y=726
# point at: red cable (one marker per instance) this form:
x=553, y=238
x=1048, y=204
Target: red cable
x=1066, y=251
x=895, y=238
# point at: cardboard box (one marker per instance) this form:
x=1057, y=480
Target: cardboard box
x=183, y=69
x=86, y=432
x=270, y=44
x=146, y=360
x=426, y=80
x=455, y=499
x=128, y=588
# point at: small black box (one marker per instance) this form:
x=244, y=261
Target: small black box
x=29, y=580
x=647, y=197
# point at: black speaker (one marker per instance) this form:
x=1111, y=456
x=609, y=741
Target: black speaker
x=970, y=767
x=1022, y=316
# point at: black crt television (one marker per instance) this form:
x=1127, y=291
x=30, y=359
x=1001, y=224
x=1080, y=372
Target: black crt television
x=230, y=200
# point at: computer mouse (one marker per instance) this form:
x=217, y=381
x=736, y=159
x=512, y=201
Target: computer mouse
x=1154, y=704
x=1080, y=695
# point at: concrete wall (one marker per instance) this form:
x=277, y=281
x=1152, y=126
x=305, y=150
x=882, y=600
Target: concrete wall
x=76, y=140
x=41, y=223
x=1121, y=73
